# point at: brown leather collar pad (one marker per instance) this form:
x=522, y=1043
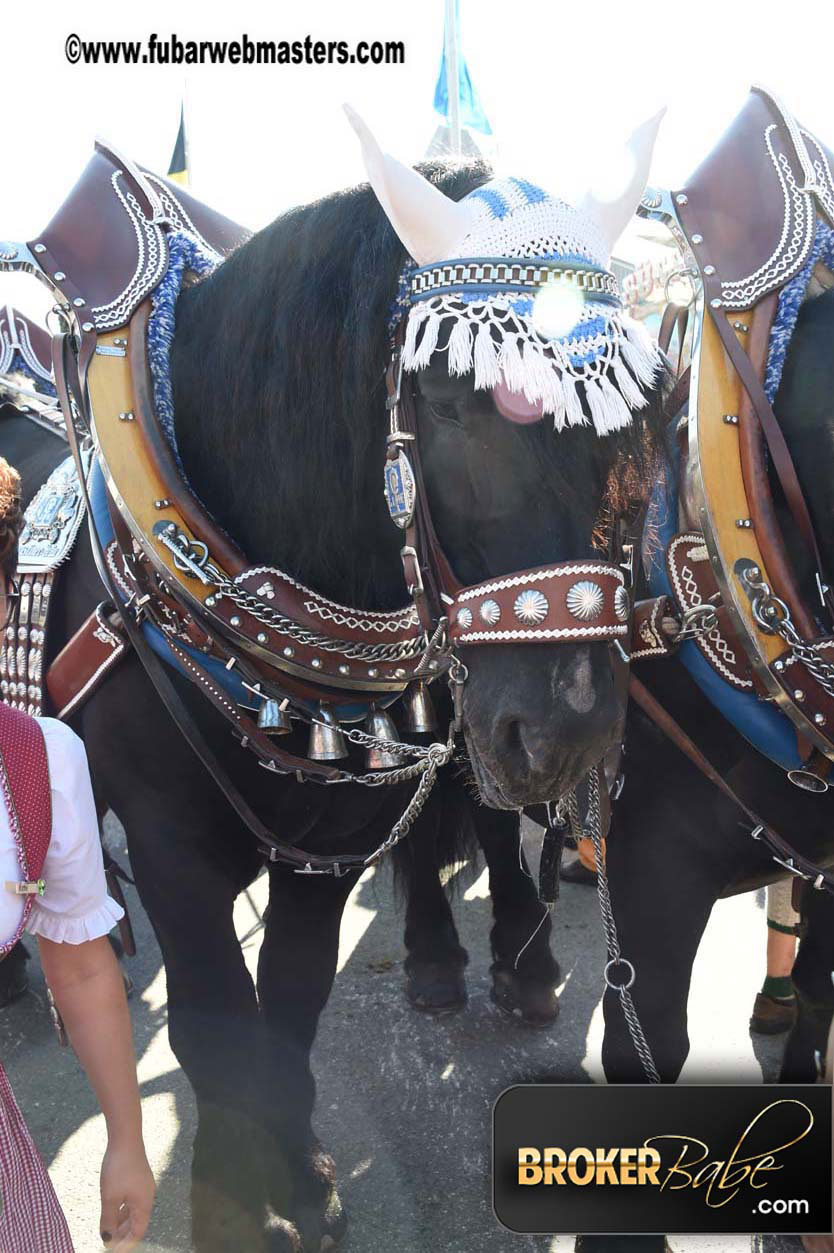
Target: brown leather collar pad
x=570, y=601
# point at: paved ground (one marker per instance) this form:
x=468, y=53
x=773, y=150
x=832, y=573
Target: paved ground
x=399, y=1094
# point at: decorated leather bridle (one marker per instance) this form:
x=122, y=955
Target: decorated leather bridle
x=565, y=602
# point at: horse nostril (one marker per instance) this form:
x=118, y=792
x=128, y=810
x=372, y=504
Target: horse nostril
x=514, y=738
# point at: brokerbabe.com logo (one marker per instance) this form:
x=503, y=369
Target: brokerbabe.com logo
x=725, y=1158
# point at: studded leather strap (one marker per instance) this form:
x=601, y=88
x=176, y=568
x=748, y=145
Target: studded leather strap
x=570, y=602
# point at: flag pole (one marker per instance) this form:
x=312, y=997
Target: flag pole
x=186, y=131
x=452, y=80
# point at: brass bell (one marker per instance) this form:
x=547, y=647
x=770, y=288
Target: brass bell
x=380, y=724
x=419, y=709
x=326, y=740
x=274, y=718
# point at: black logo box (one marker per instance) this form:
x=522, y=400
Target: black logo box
x=587, y=1116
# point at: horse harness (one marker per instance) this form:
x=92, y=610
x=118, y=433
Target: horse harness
x=168, y=568
x=733, y=588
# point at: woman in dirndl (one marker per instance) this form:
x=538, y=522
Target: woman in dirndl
x=52, y=885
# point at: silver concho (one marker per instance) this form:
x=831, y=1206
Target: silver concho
x=400, y=491
x=621, y=603
x=531, y=607
x=490, y=611
x=585, y=600
x=465, y=618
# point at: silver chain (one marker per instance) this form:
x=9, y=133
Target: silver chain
x=187, y=558
x=774, y=618
x=438, y=756
x=615, y=958
x=402, y=650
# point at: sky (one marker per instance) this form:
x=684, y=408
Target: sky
x=563, y=82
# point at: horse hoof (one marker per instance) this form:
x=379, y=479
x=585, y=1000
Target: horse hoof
x=531, y=1004
x=435, y=989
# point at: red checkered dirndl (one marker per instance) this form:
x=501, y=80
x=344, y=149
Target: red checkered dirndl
x=31, y=1219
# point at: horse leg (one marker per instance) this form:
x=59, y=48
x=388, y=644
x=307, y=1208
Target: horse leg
x=525, y=974
x=662, y=892
x=659, y=931
x=213, y=1021
x=812, y=975
x=435, y=959
x=296, y=968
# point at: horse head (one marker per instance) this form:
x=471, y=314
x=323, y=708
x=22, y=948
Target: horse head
x=495, y=370
x=278, y=368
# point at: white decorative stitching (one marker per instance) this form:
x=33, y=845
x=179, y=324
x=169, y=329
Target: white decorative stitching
x=374, y=620
x=553, y=633
x=501, y=585
x=150, y=266
x=689, y=596
x=788, y=257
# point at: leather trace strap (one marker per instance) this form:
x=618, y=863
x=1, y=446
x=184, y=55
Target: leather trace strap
x=779, y=848
x=776, y=442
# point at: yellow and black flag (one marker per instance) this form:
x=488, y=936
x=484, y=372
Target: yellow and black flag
x=178, y=170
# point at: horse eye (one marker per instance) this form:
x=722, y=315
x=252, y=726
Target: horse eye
x=443, y=410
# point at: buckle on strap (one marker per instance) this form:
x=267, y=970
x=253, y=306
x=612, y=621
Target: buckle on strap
x=413, y=579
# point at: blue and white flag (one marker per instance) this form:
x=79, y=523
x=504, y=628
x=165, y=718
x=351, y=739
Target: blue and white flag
x=471, y=110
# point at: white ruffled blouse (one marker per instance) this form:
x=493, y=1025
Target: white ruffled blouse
x=75, y=905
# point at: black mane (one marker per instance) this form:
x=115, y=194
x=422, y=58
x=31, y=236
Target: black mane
x=278, y=370
x=278, y=367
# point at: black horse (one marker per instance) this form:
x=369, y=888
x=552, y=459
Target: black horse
x=677, y=844
x=277, y=365
x=694, y=847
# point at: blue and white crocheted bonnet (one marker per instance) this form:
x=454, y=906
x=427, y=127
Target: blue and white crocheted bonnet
x=513, y=284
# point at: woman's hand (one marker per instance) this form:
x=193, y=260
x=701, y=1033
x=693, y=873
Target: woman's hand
x=127, y=1192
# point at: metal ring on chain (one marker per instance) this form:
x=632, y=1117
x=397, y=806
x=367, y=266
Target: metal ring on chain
x=635, y=1029
x=619, y=987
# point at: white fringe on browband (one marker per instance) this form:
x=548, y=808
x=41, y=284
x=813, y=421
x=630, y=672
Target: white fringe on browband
x=495, y=341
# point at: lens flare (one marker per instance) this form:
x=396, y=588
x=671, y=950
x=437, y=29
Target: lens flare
x=556, y=311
